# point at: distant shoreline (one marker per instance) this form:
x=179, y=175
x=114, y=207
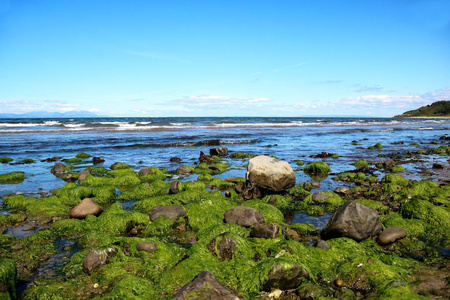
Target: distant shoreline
x=398, y=117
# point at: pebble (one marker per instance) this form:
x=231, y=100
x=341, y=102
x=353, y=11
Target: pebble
x=391, y=234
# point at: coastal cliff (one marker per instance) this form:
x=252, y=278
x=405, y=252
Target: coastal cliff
x=440, y=109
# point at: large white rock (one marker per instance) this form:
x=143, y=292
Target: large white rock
x=270, y=173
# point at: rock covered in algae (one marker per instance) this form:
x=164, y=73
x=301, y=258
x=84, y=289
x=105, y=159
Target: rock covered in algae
x=98, y=258
x=285, y=276
x=205, y=286
x=13, y=177
x=391, y=234
x=355, y=221
x=220, y=151
x=148, y=247
x=58, y=168
x=172, y=212
x=243, y=216
x=270, y=173
x=84, y=208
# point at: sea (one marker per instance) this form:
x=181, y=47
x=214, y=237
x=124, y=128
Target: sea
x=145, y=142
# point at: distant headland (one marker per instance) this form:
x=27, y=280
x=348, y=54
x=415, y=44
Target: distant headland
x=439, y=109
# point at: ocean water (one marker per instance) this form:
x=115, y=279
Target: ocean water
x=144, y=142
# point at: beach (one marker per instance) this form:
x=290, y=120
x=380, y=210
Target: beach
x=131, y=167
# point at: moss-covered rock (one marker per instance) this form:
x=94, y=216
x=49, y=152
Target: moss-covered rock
x=8, y=278
x=330, y=204
x=361, y=163
x=5, y=160
x=270, y=213
x=42, y=210
x=425, y=211
x=13, y=177
x=241, y=155
x=377, y=146
x=318, y=167
x=396, y=179
x=83, y=155
x=398, y=169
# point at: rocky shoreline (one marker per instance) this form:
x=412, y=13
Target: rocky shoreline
x=229, y=238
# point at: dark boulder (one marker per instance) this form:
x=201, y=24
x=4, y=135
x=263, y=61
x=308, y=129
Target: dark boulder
x=355, y=221
x=172, y=212
x=175, y=159
x=243, y=216
x=205, y=286
x=222, y=151
x=98, y=160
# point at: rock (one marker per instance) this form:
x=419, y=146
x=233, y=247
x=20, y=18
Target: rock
x=205, y=286
x=292, y=234
x=58, y=168
x=206, y=158
x=265, y=231
x=234, y=179
x=175, y=159
x=98, y=258
x=315, y=185
x=174, y=189
x=438, y=166
x=391, y=234
x=98, y=160
x=285, y=276
x=321, y=196
x=213, y=167
x=270, y=173
x=355, y=221
x=225, y=247
x=239, y=187
x=83, y=175
x=172, y=212
x=324, y=245
x=147, y=247
x=342, y=191
x=69, y=178
x=222, y=151
x=84, y=208
x=184, y=170
x=243, y=216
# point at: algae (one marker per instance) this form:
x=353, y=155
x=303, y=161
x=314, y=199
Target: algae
x=361, y=163
x=318, y=167
x=5, y=160
x=425, y=211
x=83, y=155
x=8, y=276
x=271, y=214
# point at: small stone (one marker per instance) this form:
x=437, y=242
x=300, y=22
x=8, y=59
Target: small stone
x=339, y=282
x=184, y=170
x=175, y=159
x=58, y=168
x=84, y=208
x=324, y=245
x=148, y=247
x=174, y=187
x=243, y=216
x=342, y=191
x=321, y=196
x=315, y=185
x=83, y=175
x=391, y=234
x=265, y=231
x=98, y=258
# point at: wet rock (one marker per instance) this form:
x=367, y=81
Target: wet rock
x=222, y=151
x=265, y=231
x=184, y=170
x=285, y=277
x=355, y=221
x=270, y=173
x=70, y=178
x=321, y=196
x=172, y=212
x=84, y=208
x=324, y=245
x=225, y=247
x=243, y=216
x=315, y=185
x=147, y=247
x=391, y=234
x=175, y=159
x=206, y=158
x=58, y=168
x=205, y=286
x=444, y=138
x=174, y=187
x=98, y=258
x=293, y=234
x=98, y=160
x=438, y=166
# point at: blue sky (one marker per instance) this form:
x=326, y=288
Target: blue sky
x=224, y=58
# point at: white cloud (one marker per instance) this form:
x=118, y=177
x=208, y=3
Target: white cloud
x=216, y=102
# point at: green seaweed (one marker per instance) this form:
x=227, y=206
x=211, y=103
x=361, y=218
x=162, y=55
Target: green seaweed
x=425, y=211
x=83, y=155
x=221, y=184
x=71, y=194
x=270, y=213
x=396, y=179
x=242, y=155
x=118, y=221
x=213, y=206
x=8, y=276
x=104, y=194
x=377, y=146
x=74, y=160
x=398, y=169
x=361, y=163
x=119, y=165
x=329, y=205
x=5, y=160
x=153, y=174
x=42, y=210
x=205, y=177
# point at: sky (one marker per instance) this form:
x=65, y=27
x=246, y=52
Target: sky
x=374, y=58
